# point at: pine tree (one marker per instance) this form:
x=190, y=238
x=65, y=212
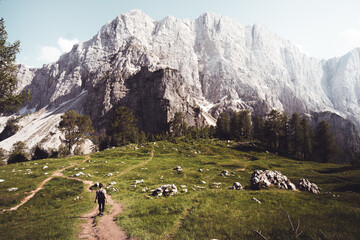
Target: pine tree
x=245, y=124
x=178, y=125
x=284, y=133
x=306, y=137
x=258, y=129
x=272, y=129
x=325, y=149
x=123, y=129
x=75, y=127
x=9, y=100
x=223, y=126
x=296, y=133
x=235, y=126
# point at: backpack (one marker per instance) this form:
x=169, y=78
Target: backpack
x=101, y=196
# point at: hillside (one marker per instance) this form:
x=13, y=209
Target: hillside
x=203, y=212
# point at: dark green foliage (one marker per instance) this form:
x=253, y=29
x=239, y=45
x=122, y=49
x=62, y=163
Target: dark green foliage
x=306, y=137
x=18, y=153
x=325, y=149
x=10, y=129
x=284, y=134
x=39, y=153
x=178, y=125
x=258, y=129
x=9, y=102
x=123, y=129
x=240, y=125
x=223, y=126
x=75, y=127
x=272, y=129
x=296, y=133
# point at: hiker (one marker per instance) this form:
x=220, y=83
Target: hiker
x=101, y=197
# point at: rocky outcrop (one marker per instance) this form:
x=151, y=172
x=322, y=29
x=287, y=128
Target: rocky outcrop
x=263, y=179
x=306, y=185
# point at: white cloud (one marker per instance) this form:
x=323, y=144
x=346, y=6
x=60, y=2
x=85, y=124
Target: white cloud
x=65, y=44
x=51, y=54
x=48, y=54
x=347, y=40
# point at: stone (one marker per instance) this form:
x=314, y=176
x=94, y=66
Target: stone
x=144, y=189
x=12, y=189
x=224, y=173
x=200, y=170
x=178, y=168
x=165, y=190
x=139, y=181
x=2, y=180
x=264, y=179
x=78, y=174
x=109, y=174
x=236, y=186
x=203, y=182
x=45, y=167
x=306, y=185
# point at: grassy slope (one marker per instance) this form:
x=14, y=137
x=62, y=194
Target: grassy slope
x=200, y=213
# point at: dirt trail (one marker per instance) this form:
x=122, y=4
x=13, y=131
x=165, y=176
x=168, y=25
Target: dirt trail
x=105, y=227
x=32, y=193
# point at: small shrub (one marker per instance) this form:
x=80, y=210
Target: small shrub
x=39, y=153
x=17, y=157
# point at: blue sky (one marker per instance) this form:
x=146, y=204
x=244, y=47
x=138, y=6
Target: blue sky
x=46, y=29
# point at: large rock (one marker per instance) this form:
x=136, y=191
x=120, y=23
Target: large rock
x=306, y=185
x=165, y=190
x=263, y=179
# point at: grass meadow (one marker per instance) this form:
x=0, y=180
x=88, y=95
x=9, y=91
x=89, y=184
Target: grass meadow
x=205, y=211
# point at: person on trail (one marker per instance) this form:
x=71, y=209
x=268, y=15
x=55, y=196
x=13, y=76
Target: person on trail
x=101, y=198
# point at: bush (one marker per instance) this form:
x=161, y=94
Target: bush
x=17, y=157
x=39, y=153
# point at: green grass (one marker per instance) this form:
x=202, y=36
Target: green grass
x=201, y=213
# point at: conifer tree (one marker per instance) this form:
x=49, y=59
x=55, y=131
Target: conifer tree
x=75, y=127
x=272, y=129
x=223, y=126
x=306, y=137
x=178, y=125
x=296, y=133
x=325, y=149
x=123, y=129
x=258, y=129
x=9, y=100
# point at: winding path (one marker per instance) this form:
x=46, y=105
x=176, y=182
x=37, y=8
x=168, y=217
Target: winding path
x=105, y=227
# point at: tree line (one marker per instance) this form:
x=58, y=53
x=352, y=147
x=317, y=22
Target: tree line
x=292, y=136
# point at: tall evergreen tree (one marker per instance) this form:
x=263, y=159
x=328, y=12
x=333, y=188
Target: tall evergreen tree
x=306, y=137
x=178, y=125
x=284, y=133
x=123, y=129
x=272, y=129
x=223, y=126
x=235, y=126
x=325, y=149
x=75, y=127
x=9, y=100
x=245, y=124
x=296, y=133
x=258, y=129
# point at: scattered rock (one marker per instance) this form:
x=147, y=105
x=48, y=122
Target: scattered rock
x=78, y=174
x=184, y=190
x=262, y=179
x=2, y=180
x=46, y=173
x=224, y=173
x=109, y=174
x=144, y=189
x=306, y=185
x=113, y=183
x=236, y=186
x=178, y=168
x=256, y=200
x=45, y=167
x=200, y=170
x=203, y=182
x=165, y=190
x=12, y=189
x=183, y=186
x=139, y=181
x=216, y=185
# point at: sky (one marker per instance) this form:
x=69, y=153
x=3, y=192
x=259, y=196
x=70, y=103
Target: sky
x=46, y=29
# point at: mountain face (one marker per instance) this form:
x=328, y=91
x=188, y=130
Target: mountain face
x=200, y=67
